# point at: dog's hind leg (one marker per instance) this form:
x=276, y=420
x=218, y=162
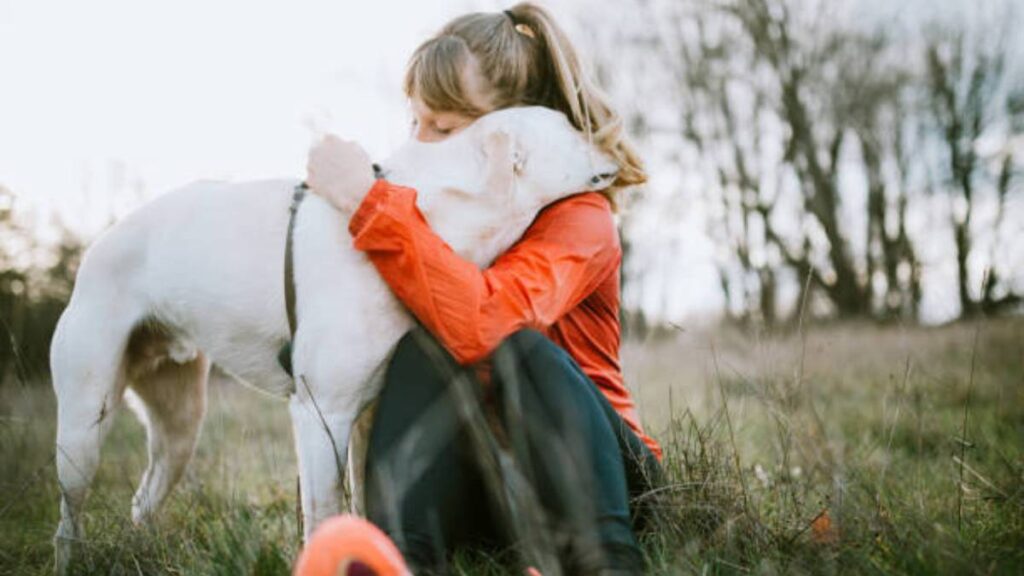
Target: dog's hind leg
x=88, y=380
x=171, y=402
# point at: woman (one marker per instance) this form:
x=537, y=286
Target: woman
x=544, y=315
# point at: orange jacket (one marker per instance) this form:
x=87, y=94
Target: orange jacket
x=561, y=278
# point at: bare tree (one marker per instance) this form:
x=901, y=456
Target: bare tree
x=772, y=104
x=816, y=142
x=970, y=94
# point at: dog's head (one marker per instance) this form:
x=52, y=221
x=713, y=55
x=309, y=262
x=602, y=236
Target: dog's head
x=519, y=159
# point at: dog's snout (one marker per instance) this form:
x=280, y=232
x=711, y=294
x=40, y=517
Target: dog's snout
x=378, y=172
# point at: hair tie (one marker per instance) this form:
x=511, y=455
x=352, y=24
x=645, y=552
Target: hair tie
x=520, y=28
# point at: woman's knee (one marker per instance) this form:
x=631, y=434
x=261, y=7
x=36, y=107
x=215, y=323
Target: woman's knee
x=534, y=351
x=413, y=379
x=410, y=350
x=418, y=358
x=538, y=371
x=523, y=338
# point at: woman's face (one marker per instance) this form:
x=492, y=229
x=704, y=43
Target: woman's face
x=433, y=126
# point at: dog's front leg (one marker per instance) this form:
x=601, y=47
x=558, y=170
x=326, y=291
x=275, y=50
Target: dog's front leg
x=321, y=439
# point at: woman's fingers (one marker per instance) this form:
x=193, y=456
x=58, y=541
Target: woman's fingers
x=329, y=156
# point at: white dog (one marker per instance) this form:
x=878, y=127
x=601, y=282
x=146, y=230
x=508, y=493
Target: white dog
x=195, y=277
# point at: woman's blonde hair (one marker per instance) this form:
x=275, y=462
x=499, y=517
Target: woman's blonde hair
x=526, y=60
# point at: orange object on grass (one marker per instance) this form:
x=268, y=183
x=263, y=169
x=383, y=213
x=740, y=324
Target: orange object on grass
x=350, y=546
x=561, y=278
x=822, y=529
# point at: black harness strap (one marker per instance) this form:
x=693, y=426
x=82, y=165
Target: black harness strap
x=289, y=257
x=284, y=357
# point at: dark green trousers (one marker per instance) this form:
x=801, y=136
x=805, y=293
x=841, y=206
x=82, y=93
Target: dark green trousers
x=429, y=484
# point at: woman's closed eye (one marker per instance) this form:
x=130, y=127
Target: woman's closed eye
x=431, y=126
x=432, y=130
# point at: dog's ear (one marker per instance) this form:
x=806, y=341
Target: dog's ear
x=505, y=159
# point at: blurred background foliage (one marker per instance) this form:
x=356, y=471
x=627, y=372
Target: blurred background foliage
x=35, y=285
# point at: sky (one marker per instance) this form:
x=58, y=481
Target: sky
x=104, y=101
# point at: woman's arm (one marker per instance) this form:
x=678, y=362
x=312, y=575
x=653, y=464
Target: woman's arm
x=569, y=249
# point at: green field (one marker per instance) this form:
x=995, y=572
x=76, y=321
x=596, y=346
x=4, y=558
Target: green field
x=848, y=449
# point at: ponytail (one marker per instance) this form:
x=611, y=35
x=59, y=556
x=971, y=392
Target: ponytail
x=526, y=59
x=577, y=95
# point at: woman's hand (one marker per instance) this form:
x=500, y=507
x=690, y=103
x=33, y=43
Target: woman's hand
x=339, y=171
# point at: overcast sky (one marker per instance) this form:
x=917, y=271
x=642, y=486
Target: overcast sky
x=102, y=97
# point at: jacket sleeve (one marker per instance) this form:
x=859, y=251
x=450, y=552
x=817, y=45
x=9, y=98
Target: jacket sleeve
x=569, y=249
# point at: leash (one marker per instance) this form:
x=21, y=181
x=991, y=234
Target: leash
x=284, y=357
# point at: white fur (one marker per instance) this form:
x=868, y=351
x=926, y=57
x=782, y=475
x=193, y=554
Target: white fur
x=196, y=276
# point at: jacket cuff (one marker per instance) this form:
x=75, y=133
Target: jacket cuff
x=381, y=197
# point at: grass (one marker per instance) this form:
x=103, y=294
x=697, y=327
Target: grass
x=855, y=449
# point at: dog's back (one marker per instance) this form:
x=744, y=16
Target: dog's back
x=192, y=256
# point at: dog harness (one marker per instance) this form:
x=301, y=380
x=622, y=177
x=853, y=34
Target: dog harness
x=284, y=356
